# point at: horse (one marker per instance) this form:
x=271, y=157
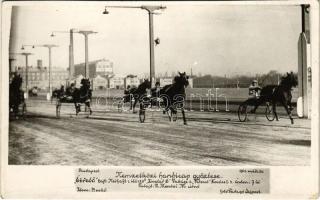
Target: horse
x=16, y=96
x=173, y=95
x=76, y=95
x=82, y=95
x=279, y=94
x=137, y=93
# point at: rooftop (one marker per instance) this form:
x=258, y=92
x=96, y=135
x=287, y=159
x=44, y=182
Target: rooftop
x=92, y=62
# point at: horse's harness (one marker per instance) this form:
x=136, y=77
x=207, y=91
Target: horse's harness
x=87, y=94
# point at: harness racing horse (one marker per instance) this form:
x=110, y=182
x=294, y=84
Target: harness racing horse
x=16, y=96
x=137, y=93
x=82, y=95
x=279, y=94
x=75, y=95
x=174, y=95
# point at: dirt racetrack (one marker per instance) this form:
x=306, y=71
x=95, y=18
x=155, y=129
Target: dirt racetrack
x=111, y=138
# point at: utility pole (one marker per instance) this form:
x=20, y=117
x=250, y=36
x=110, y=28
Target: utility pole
x=151, y=46
x=26, y=75
x=49, y=46
x=71, y=56
x=151, y=12
x=86, y=68
x=303, y=106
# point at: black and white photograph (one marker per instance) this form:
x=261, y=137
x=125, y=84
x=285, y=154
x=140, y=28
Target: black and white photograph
x=161, y=84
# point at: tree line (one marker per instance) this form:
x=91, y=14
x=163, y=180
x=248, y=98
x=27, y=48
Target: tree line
x=273, y=77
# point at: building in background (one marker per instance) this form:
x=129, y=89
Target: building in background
x=39, y=76
x=102, y=67
x=132, y=81
x=116, y=82
x=99, y=83
x=165, y=81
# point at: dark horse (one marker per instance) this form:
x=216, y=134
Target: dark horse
x=279, y=94
x=82, y=95
x=16, y=96
x=174, y=95
x=76, y=95
x=137, y=93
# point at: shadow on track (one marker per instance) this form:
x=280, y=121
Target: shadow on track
x=248, y=123
x=295, y=142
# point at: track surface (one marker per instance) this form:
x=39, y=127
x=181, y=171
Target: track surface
x=112, y=138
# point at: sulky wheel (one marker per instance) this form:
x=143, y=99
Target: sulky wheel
x=242, y=112
x=269, y=112
x=142, y=113
x=173, y=115
x=58, y=108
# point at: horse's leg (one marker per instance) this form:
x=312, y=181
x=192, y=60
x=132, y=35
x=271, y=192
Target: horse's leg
x=77, y=103
x=88, y=106
x=76, y=106
x=166, y=108
x=79, y=107
x=183, y=116
x=134, y=105
x=290, y=106
x=284, y=104
x=274, y=109
x=140, y=108
x=289, y=102
x=131, y=105
x=169, y=113
x=16, y=111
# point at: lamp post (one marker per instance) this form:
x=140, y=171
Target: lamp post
x=150, y=10
x=26, y=55
x=86, y=68
x=71, y=54
x=49, y=46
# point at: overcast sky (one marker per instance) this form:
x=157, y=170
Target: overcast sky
x=210, y=39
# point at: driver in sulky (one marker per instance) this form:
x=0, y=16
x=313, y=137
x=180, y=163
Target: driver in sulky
x=254, y=90
x=69, y=91
x=254, y=94
x=155, y=92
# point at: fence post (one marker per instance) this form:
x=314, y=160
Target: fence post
x=190, y=109
x=217, y=100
